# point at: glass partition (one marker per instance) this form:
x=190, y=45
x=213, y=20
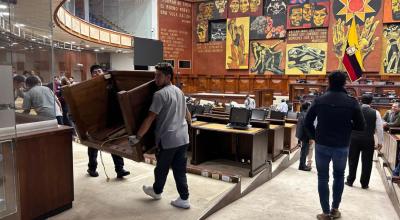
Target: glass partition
x=28, y=88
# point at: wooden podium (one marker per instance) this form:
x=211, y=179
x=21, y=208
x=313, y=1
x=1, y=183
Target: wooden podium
x=264, y=97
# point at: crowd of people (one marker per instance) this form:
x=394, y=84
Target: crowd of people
x=45, y=99
x=342, y=130
x=340, y=127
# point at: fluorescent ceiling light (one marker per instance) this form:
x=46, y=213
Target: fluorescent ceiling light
x=2, y=47
x=102, y=48
x=4, y=14
x=96, y=50
x=87, y=45
x=3, y=6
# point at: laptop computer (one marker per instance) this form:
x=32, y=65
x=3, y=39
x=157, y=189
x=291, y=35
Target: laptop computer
x=277, y=115
x=292, y=115
x=239, y=118
x=258, y=114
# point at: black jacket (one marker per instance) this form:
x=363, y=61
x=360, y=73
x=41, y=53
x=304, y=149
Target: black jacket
x=337, y=115
x=301, y=132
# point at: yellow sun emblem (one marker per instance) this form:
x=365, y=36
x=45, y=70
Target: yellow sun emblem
x=358, y=8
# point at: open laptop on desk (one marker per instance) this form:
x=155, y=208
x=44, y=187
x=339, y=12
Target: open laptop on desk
x=291, y=115
x=258, y=114
x=277, y=115
x=239, y=118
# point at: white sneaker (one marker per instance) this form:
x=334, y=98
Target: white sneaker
x=180, y=203
x=150, y=191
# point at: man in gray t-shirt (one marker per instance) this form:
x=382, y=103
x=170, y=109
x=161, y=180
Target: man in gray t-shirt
x=169, y=110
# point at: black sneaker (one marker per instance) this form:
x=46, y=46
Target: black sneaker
x=305, y=168
x=335, y=213
x=365, y=187
x=93, y=173
x=122, y=173
x=349, y=184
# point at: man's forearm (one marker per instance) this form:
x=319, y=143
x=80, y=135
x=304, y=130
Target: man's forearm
x=146, y=125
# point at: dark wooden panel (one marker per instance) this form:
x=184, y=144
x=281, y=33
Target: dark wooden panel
x=45, y=172
x=244, y=85
x=216, y=84
x=230, y=85
x=202, y=85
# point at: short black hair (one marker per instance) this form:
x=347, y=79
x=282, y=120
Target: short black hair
x=32, y=81
x=319, y=7
x=337, y=80
x=166, y=69
x=304, y=107
x=94, y=67
x=19, y=78
x=366, y=99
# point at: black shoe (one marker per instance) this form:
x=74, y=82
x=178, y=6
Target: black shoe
x=365, y=187
x=305, y=168
x=93, y=173
x=122, y=173
x=349, y=184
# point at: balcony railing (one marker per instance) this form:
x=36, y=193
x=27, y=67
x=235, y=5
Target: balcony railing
x=90, y=32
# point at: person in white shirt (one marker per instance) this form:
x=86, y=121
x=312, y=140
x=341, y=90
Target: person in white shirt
x=363, y=142
x=283, y=107
x=249, y=103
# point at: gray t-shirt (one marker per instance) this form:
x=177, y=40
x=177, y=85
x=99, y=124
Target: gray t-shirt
x=171, y=126
x=42, y=100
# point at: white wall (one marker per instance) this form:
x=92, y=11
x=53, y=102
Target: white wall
x=138, y=17
x=122, y=61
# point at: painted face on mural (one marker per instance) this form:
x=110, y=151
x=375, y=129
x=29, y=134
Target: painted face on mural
x=234, y=6
x=244, y=6
x=307, y=12
x=220, y=5
x=296, y=16
x=254, y=5
x=319, y=17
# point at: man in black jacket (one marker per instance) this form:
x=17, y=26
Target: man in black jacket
x=363, y=142
x=302, y=135
x=337, y=114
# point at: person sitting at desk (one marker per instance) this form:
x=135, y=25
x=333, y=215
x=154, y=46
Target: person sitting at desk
x=250, y=103
x=283, y=106
x=392, y=117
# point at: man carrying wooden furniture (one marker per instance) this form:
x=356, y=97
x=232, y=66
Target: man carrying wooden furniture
x=169, y=110
x=95, y=70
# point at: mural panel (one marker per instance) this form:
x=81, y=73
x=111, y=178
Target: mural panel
x=391, y=11
x=306, y=52
x=217, y=31
x=368, y=16
x=308, y=15
x=264, y=27
x=391, y=49
x=237, y=43
x=267, y=57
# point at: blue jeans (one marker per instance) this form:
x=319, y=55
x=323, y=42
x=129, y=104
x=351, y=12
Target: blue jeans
x=323, y=156
x=396, y=171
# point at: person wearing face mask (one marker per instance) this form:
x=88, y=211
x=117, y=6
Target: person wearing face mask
x=172, y=117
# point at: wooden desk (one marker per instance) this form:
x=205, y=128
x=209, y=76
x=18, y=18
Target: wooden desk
x=390, y=148
x=290, y=140
x=44, y=173
x=275, y=141
x=214, y=141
